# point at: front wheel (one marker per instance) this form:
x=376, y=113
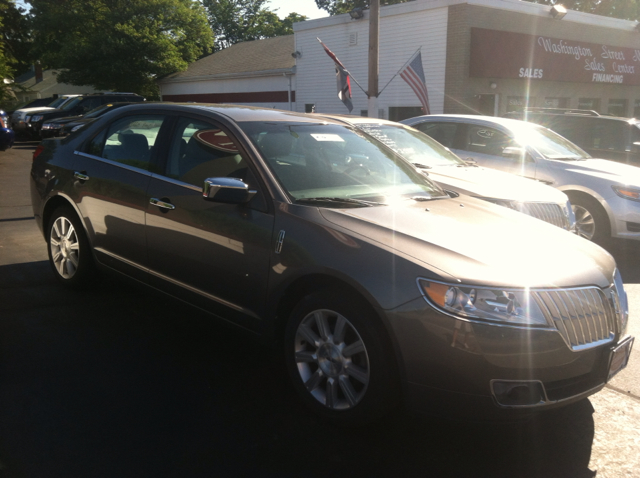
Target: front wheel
x=339, y=359
x=592, y=222
x=69, y=253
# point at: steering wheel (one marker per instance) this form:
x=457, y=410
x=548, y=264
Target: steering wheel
x=356, y=167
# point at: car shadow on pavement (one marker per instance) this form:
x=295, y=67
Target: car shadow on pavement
x=120, y=381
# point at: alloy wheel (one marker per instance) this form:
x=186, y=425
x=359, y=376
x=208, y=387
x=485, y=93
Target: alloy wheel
x=332, y=359
x=65, y=247
x=585, y=222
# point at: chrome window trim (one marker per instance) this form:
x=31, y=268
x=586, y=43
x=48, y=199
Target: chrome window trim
x=115, y=163
x=176, y=182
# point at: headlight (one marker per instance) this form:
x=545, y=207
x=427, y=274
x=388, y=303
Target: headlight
x=50, y=126
x=510, y=306
x=622, y=305
x=27, y=118
x=571, y=217
x=36, y=118
x=627, y=192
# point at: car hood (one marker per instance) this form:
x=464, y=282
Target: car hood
x=605, y=169
x=67, y=119
x=490, y=183
x=475, y=242
x=25, y=111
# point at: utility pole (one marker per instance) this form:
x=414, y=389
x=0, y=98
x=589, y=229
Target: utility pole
x=374, y=36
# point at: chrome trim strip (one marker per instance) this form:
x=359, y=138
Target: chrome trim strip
x=181, y=284
x=114, y=163
x=176, y=182
x=212, y=297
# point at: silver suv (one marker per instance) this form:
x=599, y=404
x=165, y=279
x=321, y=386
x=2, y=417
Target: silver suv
x=605, y=195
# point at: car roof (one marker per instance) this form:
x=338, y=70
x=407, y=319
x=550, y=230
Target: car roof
x=575, y=115
x=506, y=122
x=238, y=113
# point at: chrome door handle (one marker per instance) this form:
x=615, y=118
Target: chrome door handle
x=161, y=204
x=80, y=176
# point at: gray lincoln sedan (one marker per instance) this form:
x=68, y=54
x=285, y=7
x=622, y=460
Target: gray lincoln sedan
x=381, y=288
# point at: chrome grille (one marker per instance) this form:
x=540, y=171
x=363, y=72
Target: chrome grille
x=584, y=317
x=548, y=212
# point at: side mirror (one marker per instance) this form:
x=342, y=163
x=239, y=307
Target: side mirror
x=227, y=190
x=516, y=153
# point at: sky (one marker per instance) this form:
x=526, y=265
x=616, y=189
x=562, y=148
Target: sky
x=303, y=7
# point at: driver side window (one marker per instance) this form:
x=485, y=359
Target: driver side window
x=201, y=150
x=484, y=140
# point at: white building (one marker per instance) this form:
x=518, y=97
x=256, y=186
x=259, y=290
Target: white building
x=478, y=56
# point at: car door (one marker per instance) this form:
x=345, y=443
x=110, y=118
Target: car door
x=211, y=253
x=112, y=174
x=487, y=146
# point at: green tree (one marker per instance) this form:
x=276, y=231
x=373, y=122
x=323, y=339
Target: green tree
x=233, y=21
x=14, y=46
x=119, y=45
x=336, y=7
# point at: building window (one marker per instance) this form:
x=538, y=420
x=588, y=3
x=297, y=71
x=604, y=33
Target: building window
x=589, y=104
x=556, y=102
x=398, y=113
x=518, y=103
x=309, y=108
x=617, y=107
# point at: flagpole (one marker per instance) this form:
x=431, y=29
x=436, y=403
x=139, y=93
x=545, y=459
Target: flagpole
x=348, y=72
x=405, y=64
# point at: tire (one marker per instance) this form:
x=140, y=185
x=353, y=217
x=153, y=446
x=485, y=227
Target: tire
x=69, y=251
x=339, y=359
x=592, y=221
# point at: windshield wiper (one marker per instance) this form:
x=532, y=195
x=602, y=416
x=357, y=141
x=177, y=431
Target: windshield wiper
x=348, y=201
x=428, y=198
x=421, y=166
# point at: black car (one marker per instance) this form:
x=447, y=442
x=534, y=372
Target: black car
x=311, y=234
x=78, y=106
x=67, y=124
x=605, y=137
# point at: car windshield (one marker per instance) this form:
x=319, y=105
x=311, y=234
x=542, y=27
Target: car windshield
x=413, y=145
x=57, y=102
x=549, y=144
x=72, y=103
x=100, y=110
x=336, y=165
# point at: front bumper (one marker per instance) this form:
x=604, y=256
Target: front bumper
x=462, y=367
x=625, y=214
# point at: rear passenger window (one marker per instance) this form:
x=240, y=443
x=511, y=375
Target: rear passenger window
x=443, y=133
x=129, y=140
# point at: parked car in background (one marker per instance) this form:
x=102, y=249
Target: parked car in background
x=7, y=135
x=20, y=117
x=80, y=105
x=453, y=174
x=67, y=124
x=605, y=195
x=602, y=136
x=377, y=284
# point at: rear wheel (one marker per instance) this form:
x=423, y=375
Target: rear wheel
x=69, y=253
x=339, y=360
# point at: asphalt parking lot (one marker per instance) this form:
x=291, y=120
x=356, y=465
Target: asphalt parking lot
x=121, y=382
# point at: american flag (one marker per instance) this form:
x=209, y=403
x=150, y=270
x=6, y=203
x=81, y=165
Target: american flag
x=342, y=77
x=413, y=74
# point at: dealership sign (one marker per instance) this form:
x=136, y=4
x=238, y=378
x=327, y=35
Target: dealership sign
x=496, y=54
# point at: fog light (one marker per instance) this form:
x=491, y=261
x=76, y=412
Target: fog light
x=510, y=393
